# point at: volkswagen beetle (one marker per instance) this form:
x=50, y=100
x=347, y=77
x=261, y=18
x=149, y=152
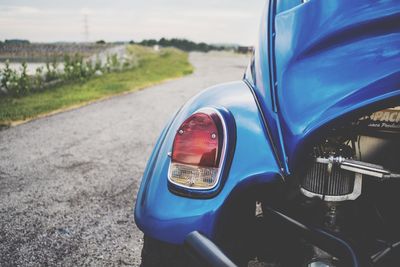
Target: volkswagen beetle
x=296, y=164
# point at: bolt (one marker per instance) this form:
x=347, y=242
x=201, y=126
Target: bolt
x=180, y=131
x=213, y=136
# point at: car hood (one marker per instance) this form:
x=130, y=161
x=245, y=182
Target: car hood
x=331, y=58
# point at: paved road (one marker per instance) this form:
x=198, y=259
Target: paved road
x=68, y=182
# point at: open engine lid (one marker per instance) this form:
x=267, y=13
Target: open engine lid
x=333, y=58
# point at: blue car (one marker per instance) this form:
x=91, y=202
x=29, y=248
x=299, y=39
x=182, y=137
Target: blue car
x=296, y=164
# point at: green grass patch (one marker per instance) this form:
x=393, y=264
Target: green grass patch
x=153, y=67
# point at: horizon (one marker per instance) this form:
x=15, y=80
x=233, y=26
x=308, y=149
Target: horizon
x=114, y=42
x=45, y=21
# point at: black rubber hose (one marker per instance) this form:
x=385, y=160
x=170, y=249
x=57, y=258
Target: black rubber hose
x=347, y=253
x=205, y=252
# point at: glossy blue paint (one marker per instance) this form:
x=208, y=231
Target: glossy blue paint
x=262, y=81
x=331, y=58
x=169, y=217
x=315, y=64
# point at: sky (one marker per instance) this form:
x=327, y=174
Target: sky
x=211, y=21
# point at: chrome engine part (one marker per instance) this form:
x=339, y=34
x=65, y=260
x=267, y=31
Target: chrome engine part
x=321, y=259
x=362, y=154
x=328, y=181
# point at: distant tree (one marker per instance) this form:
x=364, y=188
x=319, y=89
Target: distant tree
x=101, y=42
x=16, y=41
x=150, y=42
x=244, y=49
x=131, y=42
x=203, y=47
x=163, y=42
x=182, y=44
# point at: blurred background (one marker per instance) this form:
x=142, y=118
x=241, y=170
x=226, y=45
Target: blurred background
x=44, y=43
x=85, y=89
x=210, y=21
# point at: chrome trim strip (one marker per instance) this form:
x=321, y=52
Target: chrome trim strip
x=356, y=166
x=360, y=167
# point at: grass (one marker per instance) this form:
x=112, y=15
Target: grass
x=154, y=67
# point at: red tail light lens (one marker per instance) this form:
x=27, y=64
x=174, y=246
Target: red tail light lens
x=196, y=142
x=196, y=152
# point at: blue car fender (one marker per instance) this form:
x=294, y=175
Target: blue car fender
x=164, y=215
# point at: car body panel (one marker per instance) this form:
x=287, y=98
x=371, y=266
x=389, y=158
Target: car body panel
x=331, y=58
x=314, y=64
x=169, y=217
x=262, y=82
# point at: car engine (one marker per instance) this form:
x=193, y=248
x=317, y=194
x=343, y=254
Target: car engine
x=353, y=179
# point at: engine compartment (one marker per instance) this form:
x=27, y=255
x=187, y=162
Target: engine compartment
x=345, y=190
x=349, y=186
x=330, y=207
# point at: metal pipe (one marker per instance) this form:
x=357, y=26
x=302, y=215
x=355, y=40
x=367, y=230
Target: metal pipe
x=205, y=252
x=347, y=253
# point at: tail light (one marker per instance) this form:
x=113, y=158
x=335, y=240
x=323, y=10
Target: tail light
x=197, y=151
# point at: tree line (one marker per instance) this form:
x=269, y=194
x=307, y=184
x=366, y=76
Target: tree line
x=182, y=44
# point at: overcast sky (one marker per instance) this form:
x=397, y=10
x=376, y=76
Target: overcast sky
x=212, y=21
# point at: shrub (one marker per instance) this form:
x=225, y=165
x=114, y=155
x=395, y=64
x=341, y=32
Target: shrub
x=115, y=64
x=38, y=79
x=23, y=81
x=9, y=79
x=75, y=68
x=98, y=64
x=52, y=71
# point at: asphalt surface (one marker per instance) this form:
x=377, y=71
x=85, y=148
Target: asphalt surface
x=68, y=182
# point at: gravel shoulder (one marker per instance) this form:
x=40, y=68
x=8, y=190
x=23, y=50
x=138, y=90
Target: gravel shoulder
x=68, y=182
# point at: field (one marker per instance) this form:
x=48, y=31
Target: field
x=42, y=52
x=152, y=67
